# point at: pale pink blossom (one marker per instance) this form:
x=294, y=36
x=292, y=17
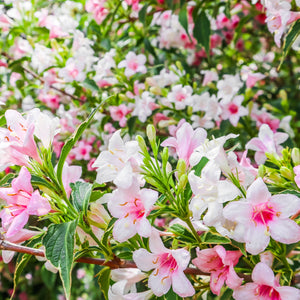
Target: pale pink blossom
x=265, y=286
x=297, y=175
x=70, y=174
x=262, y=216
x=73, y=71
x=209, y=76
x=144, y=105
x=263, y=117
x=220, y=263
x=22, y=202
x=119, y=113
x=186, y=141
x=133, y=64
x=120, y=163
x=233, y=109
x=131, y=206
x=266, y=142
x=168, y=267
x=279, y=17
x=124, y=287
x=229, y=86
x=180, y=95
x=210, y=193
x=19, y=134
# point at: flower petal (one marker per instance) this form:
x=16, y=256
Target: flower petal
x=285, y=231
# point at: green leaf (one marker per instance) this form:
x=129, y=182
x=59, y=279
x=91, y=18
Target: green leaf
x=290, y=38
x=81, y=193
x=201, y=164
x=22, y=261
x=227, y=295
x=7, y=178
x=183, y=232
x=38, y=181
x=71, y=142
x=143, y=14
x=240, y=246
x=91, y=85
x=59, y=250
x=104, y=281
x=202, y=31
x=183, y=20
x=210, y=238
x=48, y=277
x=286, y=276
x=2, y=121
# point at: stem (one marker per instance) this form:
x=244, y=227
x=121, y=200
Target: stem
x=196, y=235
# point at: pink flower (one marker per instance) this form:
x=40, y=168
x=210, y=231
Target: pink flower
x=233, y=109
x=82, y=151
x=70, y=174
x=21, y=201
x=209, y=76
x=131, y=206
x=267, y=142
x=265, y=286
x=219, y=263
x=186, y=141
x=118, y=113
x=297, y=175
x=98, y=9
x=261, y=216
x=19, y=135
x=133, y=64
x=168, y=265
x=180, y=95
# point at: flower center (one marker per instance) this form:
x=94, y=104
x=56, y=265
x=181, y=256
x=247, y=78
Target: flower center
x=263, y=213
x=133, y=65
x=268, y=292
x=233, y=108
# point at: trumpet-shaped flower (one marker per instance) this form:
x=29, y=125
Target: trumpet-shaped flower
x=131, y=206
x=133, y=64
x=209, y=193
x=21, y=201
x=19, y=134
x=219, y=263
x=265, y=286
x=267, y=142
x=262, y=216
x=119, y=163
x=168, y=267
x=186, y=141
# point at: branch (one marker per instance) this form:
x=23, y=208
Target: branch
x=116, y=263
x=36, y=76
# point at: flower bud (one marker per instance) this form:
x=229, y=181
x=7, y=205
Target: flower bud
x=97, y=215
x=151, y=133
x=261, y=171
x=286, y=173
x=181, y=167
x=296, y=156
x=165, y=154
x=155, y=90
x=141, y=143
x=182, y=182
